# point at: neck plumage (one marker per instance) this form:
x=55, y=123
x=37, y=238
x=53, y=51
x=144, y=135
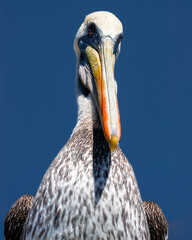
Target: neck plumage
x=87, y=111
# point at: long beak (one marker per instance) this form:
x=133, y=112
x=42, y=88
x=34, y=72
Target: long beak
x=102, y=64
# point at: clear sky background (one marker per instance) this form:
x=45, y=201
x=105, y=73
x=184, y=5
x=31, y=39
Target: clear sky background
x=154, y=76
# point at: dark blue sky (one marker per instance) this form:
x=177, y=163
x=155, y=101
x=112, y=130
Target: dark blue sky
x=154, y=75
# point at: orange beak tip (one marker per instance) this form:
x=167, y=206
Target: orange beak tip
x=113, y=142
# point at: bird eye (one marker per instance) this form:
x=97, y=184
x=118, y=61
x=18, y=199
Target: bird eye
x=91, y=29
x=120, y=37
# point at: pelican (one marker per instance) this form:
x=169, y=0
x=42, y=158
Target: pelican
x=90, y=190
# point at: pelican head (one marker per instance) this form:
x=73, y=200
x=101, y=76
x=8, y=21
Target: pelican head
x=97, y=45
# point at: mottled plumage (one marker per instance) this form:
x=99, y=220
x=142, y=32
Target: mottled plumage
x=16, y=217
x=88, y=193
x=158, y=225
x=14, y=221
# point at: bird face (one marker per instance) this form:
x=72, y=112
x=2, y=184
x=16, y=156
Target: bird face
x=97, y=45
